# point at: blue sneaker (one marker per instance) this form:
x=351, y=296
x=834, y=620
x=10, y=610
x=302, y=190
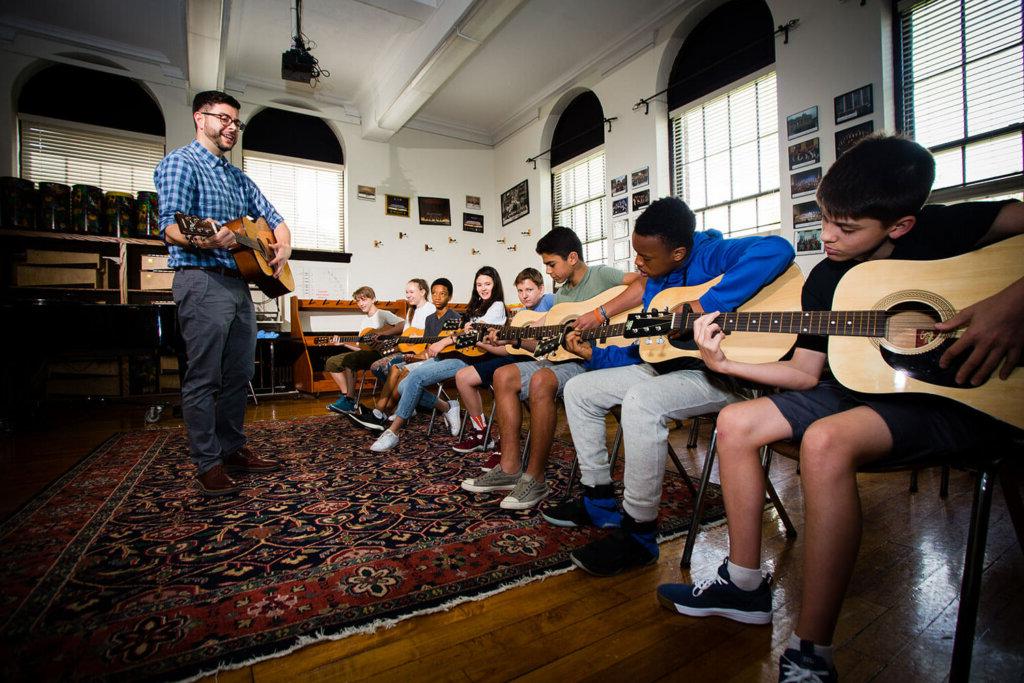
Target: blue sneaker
x=804, y=665
x=719, y=597
x=628, y=547
x=596, y=507
x=343, y=406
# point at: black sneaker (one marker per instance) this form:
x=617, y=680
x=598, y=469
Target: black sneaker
x=602, y=511
x=804, y=665
x=719, y=597
x=364, y=417
x=619, y=551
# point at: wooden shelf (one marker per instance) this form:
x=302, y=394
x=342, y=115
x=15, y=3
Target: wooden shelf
x=79, y=237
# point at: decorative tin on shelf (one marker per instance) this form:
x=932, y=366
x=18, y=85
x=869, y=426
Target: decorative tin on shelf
x=119, y=208
x=54, y=207
x=18, y=203
x=86, y=209
x=147, y=215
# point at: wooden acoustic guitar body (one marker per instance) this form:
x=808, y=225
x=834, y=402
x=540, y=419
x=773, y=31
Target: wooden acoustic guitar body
x=567, y=312
x=253, y=264
x=412, y=348
x=906, y=360
x=781, y=294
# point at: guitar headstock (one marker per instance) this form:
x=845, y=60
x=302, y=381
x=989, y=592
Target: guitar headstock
x=468, y=339
x=648, y=324
x=385, y=346
x=547, y=345
x=193, y=225
x=451, y=324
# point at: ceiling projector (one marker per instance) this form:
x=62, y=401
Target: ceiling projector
x=298, y=65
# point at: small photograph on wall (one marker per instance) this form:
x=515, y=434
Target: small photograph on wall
x=473, y=222
x=806, y=153
x=620, y=228
x=805, y=182
x=806, y=213
x=854, y=104
x=622, y=249
x=620, y=206
x=808, y=241
x=802, y=123
x=848, y=137
x=396, y=205
x=367, y=192
x=435, y=210
x=640, y=177
x=472, y=202
x=618, y=185
x=641, y=199
x=515, y=203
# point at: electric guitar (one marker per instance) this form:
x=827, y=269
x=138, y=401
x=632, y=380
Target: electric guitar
x=252, y=253
x=881, y=334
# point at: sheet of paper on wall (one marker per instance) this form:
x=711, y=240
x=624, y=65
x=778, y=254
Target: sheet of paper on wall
x=314, y=280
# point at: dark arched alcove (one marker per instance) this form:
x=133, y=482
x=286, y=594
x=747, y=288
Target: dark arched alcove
x=276, y=131
x=580, y=128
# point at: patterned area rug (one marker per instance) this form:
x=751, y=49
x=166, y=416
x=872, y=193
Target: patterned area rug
x=121, y=570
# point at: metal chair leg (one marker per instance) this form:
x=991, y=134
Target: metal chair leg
x=682, y=472
x=970, y=588
x=773, y=496
x=698, y=505
x=691, y=441
x=944, y=483
x=433, y=412
x=252, y=392
x=913, y=481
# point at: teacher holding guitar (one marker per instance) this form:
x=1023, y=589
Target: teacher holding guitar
x=215, y=311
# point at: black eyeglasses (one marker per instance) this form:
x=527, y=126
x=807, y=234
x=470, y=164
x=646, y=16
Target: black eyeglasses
x=225, y=119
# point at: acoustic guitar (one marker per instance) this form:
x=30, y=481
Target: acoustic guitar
x=881, y=334
x=518, y=328
x=252, y=253
x=413, y=341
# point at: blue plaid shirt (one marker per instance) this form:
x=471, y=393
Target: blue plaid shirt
x=195, y=181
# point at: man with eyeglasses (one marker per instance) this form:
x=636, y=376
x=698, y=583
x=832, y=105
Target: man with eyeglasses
x=215, y=310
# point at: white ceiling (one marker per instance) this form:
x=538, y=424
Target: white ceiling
x=383, y=55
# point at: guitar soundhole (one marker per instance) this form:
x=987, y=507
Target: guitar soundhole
x=911, y=327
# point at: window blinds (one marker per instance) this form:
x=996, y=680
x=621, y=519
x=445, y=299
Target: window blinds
x=115, y=161
x=308, y=194
x=725, y=159
x=963, y=86
x=578, y=191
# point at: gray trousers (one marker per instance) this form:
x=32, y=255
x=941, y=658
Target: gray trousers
x=218, y=323
x=648, y=401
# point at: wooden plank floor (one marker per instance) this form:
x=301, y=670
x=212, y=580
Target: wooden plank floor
x=897, y=621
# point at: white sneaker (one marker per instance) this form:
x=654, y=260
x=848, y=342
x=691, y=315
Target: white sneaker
x=392, y=416
x=452, y=417
x=385, y=442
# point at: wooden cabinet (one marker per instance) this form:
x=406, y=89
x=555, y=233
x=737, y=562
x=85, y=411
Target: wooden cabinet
x=96, y=268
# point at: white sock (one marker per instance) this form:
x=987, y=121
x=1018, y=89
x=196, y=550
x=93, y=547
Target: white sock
x=744, y=578
x=823, y=651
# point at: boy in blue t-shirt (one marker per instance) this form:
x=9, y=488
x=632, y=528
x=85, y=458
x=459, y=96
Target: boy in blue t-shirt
x=530, y=288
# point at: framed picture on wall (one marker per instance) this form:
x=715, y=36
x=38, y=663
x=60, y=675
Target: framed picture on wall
x=396, y=205
x=641, y=199
x=620, y=228
x=472, y=202
x=802, y=123
x=435, y=211
x=620, y=206
x=472, y=222
x=367, y=192
x=806, y=153
x=808, y=241
x=618, y=185
x=854, y=104
x=805, y=182
x=640, y=177
x=515, y=202
x=806, y=213
x=848, y=137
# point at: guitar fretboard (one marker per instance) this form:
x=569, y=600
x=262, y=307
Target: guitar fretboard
x=819, y=323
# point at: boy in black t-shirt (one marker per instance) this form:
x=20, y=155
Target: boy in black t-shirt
x=871, y=201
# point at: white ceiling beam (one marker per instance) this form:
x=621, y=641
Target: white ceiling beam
x=205, y=39
x=442, y=45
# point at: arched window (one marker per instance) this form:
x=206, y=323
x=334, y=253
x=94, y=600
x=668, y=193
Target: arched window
x=297, y=162
x=962, y=92
x=82, y=126
x=724, y=121
x=578, y=175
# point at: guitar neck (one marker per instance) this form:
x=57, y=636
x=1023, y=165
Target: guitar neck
x=507, y=331
x=604, y=331
x=818, y=323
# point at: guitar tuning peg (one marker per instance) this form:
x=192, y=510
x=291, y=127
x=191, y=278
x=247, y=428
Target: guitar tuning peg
x=451, y=240
x=377, y=243
x=402, y=235
x=427, y=247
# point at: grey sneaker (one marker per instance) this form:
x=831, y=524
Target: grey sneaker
x=495, y=480
x=527, y=493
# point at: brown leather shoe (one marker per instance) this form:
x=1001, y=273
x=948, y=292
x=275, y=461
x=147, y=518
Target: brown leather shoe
x=216, y=482
x=243, y=460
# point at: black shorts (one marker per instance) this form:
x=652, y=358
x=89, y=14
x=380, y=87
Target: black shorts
x=487, y=368
x=921, y=426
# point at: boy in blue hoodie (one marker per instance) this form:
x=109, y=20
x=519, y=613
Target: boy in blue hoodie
x=669, y=254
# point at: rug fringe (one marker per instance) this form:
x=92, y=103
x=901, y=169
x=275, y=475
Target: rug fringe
x=372, y=627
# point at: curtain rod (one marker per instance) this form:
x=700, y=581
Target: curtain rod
x=533, y=159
